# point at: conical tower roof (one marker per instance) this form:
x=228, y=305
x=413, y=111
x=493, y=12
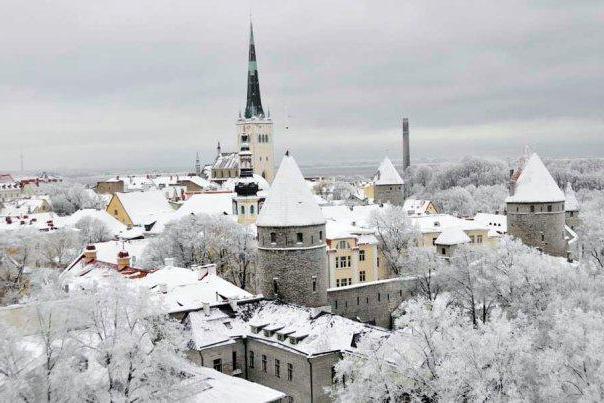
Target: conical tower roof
x=290, y=202
x=571, y=203
x=387, y=174
x=535, y=184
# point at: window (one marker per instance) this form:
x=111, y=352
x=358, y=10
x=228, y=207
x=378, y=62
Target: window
x=361, y=255
x=218, y=365
x=299, y=237
x=378, y=261
x=543, y=237
x=290, y=371
x=321, y=235
x=343, y=245
x=362, y=276
x=379, y=297
x=337, y=285
x=571, y=213
x=277, y=368
x=290, y=399
x=242, y=209
x=443, y=251
x=234, y=359
x=472, y=239
x=478, y=238
x=549, y=208
x=532, y=209
x=358, y=301
x=349, y=281
x=251, y=359
x=273, y=237
x=263, y=363
x=252, y=209
x=314, y=284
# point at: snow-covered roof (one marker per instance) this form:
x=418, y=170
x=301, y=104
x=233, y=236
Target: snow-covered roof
x=226, y=161
x=23, y=206
x=438, y=222
x=416, y=207
x=495, y=222
x=214, y=386
x=115, y=226
x=144, y=207
x=535, y=184
x=323, y=332
x=571, y=203
x=290, y=202
x=107, y=251
x=199, y=181
x=452, y=236
x=230, y=183
x=387, y=174
x=207, y=203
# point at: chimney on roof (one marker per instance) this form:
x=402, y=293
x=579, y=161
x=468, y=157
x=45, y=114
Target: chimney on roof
x=90, y=253
x=123, y=260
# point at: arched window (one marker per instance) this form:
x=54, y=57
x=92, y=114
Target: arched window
x=252, y=209
x=242, y=209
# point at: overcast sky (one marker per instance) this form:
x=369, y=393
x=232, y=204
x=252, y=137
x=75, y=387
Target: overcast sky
x=145, y=83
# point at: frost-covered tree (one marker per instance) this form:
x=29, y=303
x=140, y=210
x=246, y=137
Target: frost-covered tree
x=540, y=341
x=116, y=344
x=93, y=230
x=425, y=266
x=67, y=197
x=203, y=239
x=395, y=234
x=59, y=248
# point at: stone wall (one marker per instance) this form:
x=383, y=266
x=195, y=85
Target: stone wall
x=538, y=227
x=572, y=219
x=298, y=269
x=392, y=194
x=371, y=302
x=309, y=373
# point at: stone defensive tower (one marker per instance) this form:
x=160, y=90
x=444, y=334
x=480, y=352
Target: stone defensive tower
x=571, y=206
x=254, y=125
x=406, y=150
x=535, y=208
x=388, y=184
x=292, y=258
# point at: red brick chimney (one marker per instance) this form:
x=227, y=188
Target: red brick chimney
x=123, y=260
x=90, y=253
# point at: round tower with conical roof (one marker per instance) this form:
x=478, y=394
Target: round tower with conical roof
x=535, y=208
x=292, y=262
x=388, y=184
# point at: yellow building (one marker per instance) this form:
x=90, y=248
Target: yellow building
x=139, y=208
x=354, y=259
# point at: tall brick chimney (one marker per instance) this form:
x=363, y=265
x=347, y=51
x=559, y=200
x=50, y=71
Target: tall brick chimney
x=406, y=151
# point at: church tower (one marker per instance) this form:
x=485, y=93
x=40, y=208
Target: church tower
x=254, y=125
x=247, y=203
x=292, y=258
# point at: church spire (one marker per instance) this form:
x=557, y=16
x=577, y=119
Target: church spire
x=253, y=107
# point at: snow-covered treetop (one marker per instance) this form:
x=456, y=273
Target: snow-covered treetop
x=571, y=203
x=452, y=236
x=535, y=184
x=290, y=202
x=387, y=174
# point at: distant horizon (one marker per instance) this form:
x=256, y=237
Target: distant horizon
x=125, y=85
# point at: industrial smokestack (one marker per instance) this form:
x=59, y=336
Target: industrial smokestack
x=406, y=152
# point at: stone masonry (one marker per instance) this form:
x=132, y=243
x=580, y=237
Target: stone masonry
x=293, y=271
x=540, y=225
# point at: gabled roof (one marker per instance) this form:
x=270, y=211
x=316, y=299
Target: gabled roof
x=535, y=184
x=387, y=174
x=452, y=236
x=290, y=202
x=144, y=207
x=571, y=203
